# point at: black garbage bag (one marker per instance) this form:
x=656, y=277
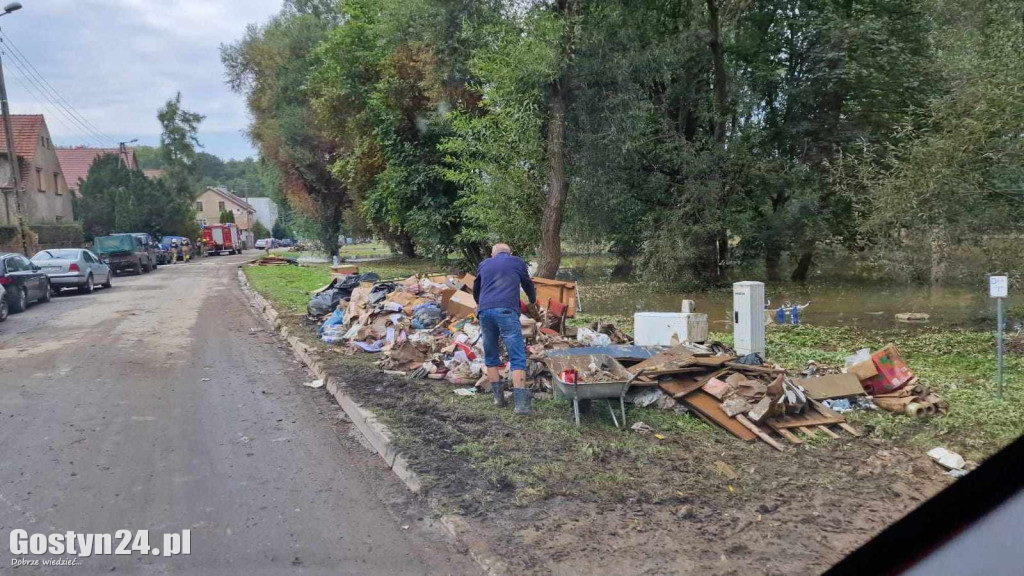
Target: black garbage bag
x=324, y=303
x=381, y=291
x=751, y=360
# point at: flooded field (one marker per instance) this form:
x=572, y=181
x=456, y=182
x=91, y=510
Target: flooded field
x=860, y=305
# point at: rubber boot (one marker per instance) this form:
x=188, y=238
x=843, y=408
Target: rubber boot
x=524, y=401
x=498, y=389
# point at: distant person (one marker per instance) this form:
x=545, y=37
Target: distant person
x=496, y=290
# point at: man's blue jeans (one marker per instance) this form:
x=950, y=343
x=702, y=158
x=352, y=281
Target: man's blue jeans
x=503, y=322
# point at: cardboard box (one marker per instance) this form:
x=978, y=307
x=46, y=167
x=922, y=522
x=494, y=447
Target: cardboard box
x=564, y=292
x=893, y=372
x=831, y=386
x=459, y=304
x=863, y=370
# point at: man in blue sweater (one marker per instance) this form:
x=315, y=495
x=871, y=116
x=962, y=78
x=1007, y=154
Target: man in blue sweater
x=496, y=290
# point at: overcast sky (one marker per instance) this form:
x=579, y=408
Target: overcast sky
x=118, y=61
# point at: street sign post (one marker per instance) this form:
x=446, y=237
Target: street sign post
x=998, y=288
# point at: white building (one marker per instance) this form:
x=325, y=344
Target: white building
x=266, y=211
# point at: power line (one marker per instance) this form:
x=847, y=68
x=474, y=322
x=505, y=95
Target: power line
x=41, y=91
x=60, y=97
x=51, y=111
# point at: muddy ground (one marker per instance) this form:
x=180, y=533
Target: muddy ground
x=549, y=499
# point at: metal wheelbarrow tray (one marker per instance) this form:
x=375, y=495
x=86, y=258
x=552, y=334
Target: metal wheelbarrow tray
x=605, y=390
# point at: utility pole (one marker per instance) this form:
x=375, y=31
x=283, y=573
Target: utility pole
x=12, y=155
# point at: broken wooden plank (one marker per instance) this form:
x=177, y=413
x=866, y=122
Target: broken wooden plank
x=706, y=404
x=828, y=432
x=678, y=387
x=759, y=432
x=755, y=369
x=808, y=431
x=793, y=438
x=849, y=429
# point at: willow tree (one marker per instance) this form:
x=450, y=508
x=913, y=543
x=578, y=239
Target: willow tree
x=270, y=65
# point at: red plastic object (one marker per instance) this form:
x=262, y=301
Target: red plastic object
x=893, y=372
x=568, y=376
x=468, y=350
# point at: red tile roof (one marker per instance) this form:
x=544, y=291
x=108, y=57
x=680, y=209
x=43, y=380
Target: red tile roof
x=75, y=162
x=26, y=129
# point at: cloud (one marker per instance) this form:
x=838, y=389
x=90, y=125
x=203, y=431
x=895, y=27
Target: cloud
x=118, y=61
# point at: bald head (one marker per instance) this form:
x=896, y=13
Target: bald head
x=500, y=248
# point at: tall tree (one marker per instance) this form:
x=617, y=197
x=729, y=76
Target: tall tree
x=178, y=143
x=270, y=65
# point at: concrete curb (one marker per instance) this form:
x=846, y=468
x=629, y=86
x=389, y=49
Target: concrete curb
x=376, y=433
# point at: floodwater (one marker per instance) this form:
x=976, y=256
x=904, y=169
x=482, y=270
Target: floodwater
x=855, y=305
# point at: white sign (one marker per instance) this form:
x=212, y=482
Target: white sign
x=998, y=286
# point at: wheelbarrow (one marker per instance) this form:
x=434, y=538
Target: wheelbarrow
x=583, y=390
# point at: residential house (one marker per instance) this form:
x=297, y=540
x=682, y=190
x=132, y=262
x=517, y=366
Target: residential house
x=266, y=211
x=213, y=201
x=77, y=161
x=45, y=196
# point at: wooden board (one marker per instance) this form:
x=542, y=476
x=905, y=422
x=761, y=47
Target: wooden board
x=707, y=405
x=828, y=432
x=793, y=438
x=754, y=369
x=807, y=419
x=677, y=387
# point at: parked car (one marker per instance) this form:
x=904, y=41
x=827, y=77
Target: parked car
x=151, y=247
x=5, y=307
x=73, y=268
x=181, y=247
x=164, y=255
x=123, y=252
x=286, y=243
x=264, y=243
x=23, y=281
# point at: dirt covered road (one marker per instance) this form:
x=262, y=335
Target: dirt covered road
x=164, y=404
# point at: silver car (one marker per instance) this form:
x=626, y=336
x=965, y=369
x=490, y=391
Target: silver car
x=73, y=268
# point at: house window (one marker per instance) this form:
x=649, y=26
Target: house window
x=59, y=219
x=39, y=178
x=199, y=206
x=56, y=183
x=220, y=206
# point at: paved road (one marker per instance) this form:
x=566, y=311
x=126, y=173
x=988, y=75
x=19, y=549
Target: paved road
x=163, y=404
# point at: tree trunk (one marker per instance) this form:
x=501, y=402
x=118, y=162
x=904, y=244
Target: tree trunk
x=720, y=77
x=558, y=188
x=939, y=255
x=803, y=266
x=406, y=245
x=772, y=258
x=720, y=104
x=558, y=184
x=330, y=221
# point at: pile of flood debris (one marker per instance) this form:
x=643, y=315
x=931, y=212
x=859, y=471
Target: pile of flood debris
x=424, y=326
